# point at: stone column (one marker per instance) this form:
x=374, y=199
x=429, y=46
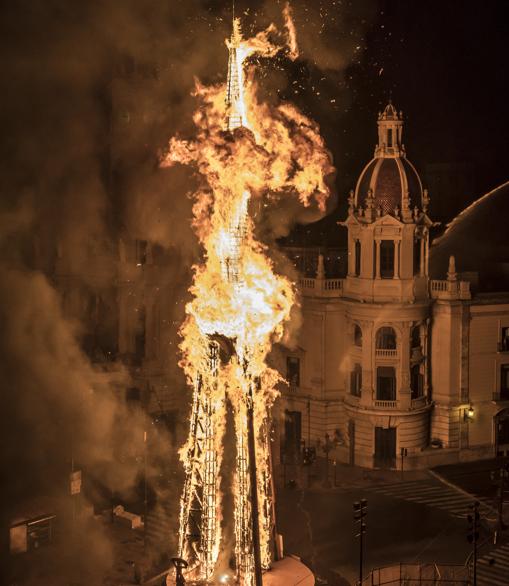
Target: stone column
x=377, y=259
x=426, y=255
x=367, y=363
x=397, y=246
x=422, y=267
x=404, y=366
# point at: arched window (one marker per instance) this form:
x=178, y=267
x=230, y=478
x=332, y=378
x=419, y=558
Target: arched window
x=356, y=380
x=357, y=336
x=386, y=338
x=416, y=337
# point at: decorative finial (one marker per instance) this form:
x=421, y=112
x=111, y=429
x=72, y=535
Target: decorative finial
x=351, y=202
x=425, y=200
x=452, y=275
x=320, y=271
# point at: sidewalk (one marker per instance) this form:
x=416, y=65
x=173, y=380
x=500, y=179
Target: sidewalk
x=340, y=476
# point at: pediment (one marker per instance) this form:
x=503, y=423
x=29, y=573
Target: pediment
x=388, y=220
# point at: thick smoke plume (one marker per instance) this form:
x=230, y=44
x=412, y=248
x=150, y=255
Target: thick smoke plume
x=80, y=156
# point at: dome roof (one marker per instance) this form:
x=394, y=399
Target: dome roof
x=389, y=179
x=479, y=240
x=389, y=176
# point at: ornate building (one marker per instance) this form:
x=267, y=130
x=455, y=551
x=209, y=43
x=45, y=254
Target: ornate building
x=387, y=356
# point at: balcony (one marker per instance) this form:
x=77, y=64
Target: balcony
x=418, y=402
x=445, y=289
x=321, y=287
x=386, y=353
x=381, y=404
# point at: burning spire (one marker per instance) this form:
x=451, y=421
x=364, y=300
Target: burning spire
x=239, y=306
x=236, y=112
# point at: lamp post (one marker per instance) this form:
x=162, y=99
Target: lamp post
x=503, y=474
x=359, y=514
x=403, y=453
x=327, y=447
x=473, y=536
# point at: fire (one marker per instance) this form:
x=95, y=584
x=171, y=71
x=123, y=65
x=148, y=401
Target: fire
x=247, y=154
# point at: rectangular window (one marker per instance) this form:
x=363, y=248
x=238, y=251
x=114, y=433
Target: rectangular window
x=389, y=137
x=293, y=371
x=504, y=340
x=356, y=380
x=385, y=383
x=416, y=382
x=357, y=258
x=387, y=259
x=504, y=381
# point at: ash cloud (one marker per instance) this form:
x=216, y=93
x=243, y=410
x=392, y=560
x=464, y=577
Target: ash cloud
x=76, y=178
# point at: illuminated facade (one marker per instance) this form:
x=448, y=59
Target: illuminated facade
x=389, y=360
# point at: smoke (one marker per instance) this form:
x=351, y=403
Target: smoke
x=92, y=91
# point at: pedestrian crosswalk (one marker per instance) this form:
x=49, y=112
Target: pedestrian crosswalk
x=493, y=568
x=433, y=493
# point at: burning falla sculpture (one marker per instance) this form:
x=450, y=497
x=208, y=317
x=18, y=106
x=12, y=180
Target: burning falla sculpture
x=245, y=152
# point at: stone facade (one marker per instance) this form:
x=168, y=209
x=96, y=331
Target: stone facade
x=389, y=361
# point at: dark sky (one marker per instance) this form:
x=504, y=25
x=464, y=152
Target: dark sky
x=445, y=66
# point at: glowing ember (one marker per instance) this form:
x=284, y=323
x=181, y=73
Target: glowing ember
x=247, y=154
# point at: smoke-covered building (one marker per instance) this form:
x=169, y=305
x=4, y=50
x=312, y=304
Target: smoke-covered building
x=409, y=352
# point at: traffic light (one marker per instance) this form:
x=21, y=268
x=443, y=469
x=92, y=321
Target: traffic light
x=359, y=514
x=473, y=523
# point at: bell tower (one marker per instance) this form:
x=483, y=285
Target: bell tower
x=390, y=131
x=388, y=303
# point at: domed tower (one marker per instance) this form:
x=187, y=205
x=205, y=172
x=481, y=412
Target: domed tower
x=387, y=305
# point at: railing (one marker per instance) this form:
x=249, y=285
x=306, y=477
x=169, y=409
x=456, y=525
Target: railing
x=418, y=402
x=445, y=289
x=307, y=283
x=386, y=353
x=333, y=284
x=321, y=287
x=419, y=575
x=386, y=404
x=438, y=285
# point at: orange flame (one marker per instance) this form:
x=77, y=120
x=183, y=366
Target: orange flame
x=276, y=153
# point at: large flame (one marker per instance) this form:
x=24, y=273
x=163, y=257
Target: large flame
x=261, y=153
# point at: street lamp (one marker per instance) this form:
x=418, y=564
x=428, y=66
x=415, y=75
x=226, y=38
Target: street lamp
x=468, y=413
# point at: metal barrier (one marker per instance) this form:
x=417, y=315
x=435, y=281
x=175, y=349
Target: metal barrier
x=419, y=574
